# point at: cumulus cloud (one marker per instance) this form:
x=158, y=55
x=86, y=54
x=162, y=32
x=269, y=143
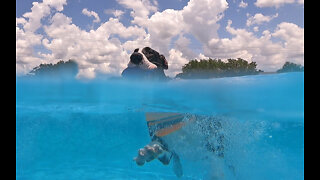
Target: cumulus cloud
x=163, y=27
x=27, y=39
x=115, y=12
x=276, y=3
x=198, y=18
x=259, y=19
x=39, y=11
x=98, y=51
x=26, y=58
x=175, y=62
x=182, y=44
x=140, y=9
x=243, y=4
x=95, y=51
x=101, y=51
x=56, y=4
x=269, y=55
x=91, y=13
x=201, y=18
x=292, y=37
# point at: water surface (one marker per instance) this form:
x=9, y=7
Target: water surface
x=92, y=130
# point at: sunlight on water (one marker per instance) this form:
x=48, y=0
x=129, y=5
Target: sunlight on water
x=92, y=130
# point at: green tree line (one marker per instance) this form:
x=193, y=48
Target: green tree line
x=61, y=68
x=213, y=68
x=194, y=69
x=291, y=67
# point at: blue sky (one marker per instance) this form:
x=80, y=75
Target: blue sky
x=224, y=38
x=293, y=13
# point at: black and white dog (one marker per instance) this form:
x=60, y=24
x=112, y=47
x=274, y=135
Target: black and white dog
x=147, y=59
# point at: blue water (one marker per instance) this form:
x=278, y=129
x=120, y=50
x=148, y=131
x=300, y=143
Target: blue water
x=92, y=130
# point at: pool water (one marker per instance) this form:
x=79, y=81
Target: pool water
x=69, y=129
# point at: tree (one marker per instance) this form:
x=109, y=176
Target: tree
x=291, y=67
x=211, y=68
x=68, y=68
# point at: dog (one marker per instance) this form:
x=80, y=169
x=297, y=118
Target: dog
x=146, y=63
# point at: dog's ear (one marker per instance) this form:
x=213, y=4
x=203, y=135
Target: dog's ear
x=147, y=49
x=164, y=62
x=136, y=50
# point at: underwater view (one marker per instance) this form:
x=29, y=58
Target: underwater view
x=237, y=128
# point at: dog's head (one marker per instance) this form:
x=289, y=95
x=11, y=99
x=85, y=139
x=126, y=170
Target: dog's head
x=155, y=58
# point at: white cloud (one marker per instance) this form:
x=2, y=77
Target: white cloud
x=259, y=19
x=163, y=27
x=98, y=51
x=57, y=4
x=139, y=42
x=175, y=62
x=275, y=3
x=114, y=26
x=293, y=41
x=39, y=11
x=243, y=4
x=269, y=55
x=115, y=12
x=95, y=51
x=201, y=17
x=182, y=44
x=101, y=51
x=198, y=18
x=91, y=13
x=25, y=41
x=20, y=21
x=140, y=9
